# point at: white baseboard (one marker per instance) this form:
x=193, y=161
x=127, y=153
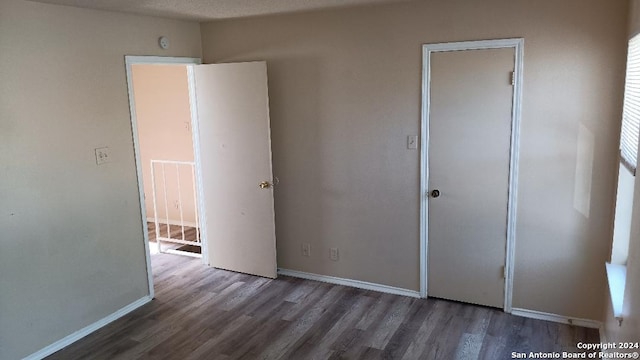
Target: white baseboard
x=68, y=340
x=172, y=222
x=349, y=282
x=593, y=324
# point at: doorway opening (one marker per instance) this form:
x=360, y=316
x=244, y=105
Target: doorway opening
x=224, y=182
x=164, y=145
x=165, y=138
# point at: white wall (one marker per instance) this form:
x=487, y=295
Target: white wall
x=345, y=93
x=71, y=247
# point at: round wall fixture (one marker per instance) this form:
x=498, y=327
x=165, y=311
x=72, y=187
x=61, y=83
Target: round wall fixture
x=163, y=41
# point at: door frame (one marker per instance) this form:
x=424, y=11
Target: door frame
x=427, y=49
x=160, y=60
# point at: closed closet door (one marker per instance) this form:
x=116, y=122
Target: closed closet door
x=469, y=151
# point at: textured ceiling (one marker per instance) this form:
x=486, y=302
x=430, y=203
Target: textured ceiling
x=202, y=10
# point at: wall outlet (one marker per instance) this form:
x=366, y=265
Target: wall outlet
x=103, y=155
x=306, y=250
x=334, y=254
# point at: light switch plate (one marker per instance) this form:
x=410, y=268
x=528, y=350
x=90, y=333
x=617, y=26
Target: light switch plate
x=103, y=155
x=412, y=142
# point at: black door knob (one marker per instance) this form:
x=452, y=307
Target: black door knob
x=435, y=193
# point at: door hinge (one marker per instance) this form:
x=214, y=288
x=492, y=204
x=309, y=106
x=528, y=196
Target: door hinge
x=513, y=78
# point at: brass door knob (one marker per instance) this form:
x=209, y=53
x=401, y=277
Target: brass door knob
x=264, y=185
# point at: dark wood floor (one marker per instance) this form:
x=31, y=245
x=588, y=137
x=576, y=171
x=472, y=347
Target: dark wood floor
x=204, y=313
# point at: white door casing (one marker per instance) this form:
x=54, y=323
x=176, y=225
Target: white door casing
x=454, y=209
x=150, y=60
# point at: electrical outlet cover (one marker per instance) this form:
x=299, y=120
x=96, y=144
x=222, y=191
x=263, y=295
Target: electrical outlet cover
x=334, y=254
x=103, y=155
x=306, y=250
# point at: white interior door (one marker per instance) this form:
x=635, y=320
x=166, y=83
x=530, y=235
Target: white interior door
x=235, y=159
x=469, y=152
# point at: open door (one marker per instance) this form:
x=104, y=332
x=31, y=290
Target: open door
x=232, y=107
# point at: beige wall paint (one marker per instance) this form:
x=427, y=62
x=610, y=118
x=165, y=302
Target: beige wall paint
x=630, y=329
x=164, y=130
x=634, y=18
x=345, y=93
x=71, y=246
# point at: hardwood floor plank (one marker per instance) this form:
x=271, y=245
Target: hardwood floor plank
x=165, y=334
x=472, y=339
x=426, y=331
x=390, y=322
x=301, y=306
x=205, y=350
x=206, y=313
x=369, y=353
x=286, y=340
x=343, y=325
x=181, y=345
x=349, y=340
x=449, y=333
x=492, y=348
x=376, y=313
x=306, y=344
x=408, y=330
x=469, y=346
x=251, y=341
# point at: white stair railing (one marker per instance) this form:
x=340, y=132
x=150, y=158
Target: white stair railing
x=165, y=166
